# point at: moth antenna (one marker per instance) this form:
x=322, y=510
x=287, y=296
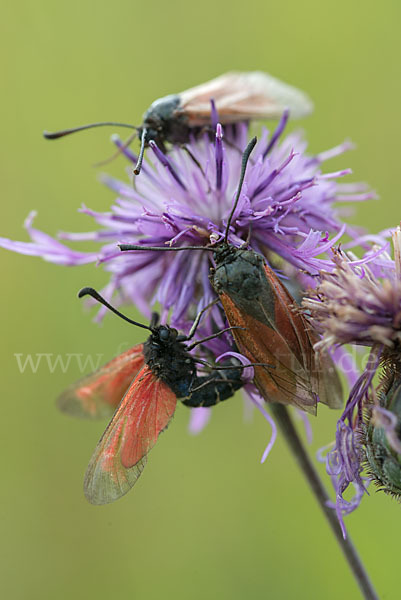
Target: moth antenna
x=126, y=247
x=193, y=158
x=139, y=162
x=58, y=134
x=198, y=318
x=245, y=159
x=248, y=237
x=89, y=291
x=211, y=337
x=154, y=320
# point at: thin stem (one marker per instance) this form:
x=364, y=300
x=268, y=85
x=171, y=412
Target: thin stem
x=287, y=428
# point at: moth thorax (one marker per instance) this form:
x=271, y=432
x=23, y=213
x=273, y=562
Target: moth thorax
x=240, y=273
x=161, y=110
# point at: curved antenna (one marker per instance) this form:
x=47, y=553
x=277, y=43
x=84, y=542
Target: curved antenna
x=245, y=159
x=89, y=291
x=198, y=318
x=154, y=320
x=211, y=337
x=58, y=134
x=139, y=162
x=126, y=247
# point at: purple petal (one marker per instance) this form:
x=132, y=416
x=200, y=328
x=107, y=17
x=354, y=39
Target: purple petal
x=199, y=418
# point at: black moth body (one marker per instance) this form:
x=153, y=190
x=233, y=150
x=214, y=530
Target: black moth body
x=237, y=97
x=163, y=121
x=167, y=357
x=139, y=389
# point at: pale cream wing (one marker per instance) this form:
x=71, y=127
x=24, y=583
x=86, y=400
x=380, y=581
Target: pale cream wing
x=242, y=96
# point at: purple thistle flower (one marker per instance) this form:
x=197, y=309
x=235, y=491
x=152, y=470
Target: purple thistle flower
x=48, y=248
x=200, y=417
x=256, y=399
x=184, y=198
x=286, y=207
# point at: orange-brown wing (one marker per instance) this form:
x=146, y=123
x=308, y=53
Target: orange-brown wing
x=328, y=382
x=276, y=334
x=98, y=395
x=243, y=96
x=120, y=455
x=284, y=381
x=293, y=325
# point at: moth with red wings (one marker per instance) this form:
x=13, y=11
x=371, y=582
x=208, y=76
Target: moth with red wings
x=142, y=386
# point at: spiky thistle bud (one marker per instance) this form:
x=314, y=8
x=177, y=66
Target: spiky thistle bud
x=382, y=433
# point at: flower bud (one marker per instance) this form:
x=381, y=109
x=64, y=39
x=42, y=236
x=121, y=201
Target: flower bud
x=383, y=435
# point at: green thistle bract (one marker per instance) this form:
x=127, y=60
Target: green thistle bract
x=382, y=434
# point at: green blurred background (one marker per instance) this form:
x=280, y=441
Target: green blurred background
x=206, y=520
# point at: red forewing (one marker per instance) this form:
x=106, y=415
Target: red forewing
x=275, y=334
x=120, y=456
x=323, y=377
x=283, y=380
x=243, y=96
x=98, y=395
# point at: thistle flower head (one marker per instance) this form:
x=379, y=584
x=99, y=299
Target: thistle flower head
x=286, y=207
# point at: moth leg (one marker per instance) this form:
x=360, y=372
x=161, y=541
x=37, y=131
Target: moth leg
x=212, y=389
x=205, y=394
x=194, y=159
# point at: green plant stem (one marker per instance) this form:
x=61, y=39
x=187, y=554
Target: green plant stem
x=292, y=438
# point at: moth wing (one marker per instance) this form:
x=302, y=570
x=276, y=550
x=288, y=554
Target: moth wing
x=293, y=325
x=120, y=455
x=243, y=96
x=97, y=395
x=284, y=380
x=328, y=381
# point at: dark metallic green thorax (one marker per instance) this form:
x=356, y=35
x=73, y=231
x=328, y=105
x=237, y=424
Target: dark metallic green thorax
x=165, y=122
x=240, y=274
x=169, y=360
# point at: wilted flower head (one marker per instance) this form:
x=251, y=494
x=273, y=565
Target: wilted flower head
x=344, y=462
x=359, y=301
x=184, y=198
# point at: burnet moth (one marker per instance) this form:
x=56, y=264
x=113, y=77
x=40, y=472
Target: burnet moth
x=271, y=330
x=142, y=387
x=236, y=97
